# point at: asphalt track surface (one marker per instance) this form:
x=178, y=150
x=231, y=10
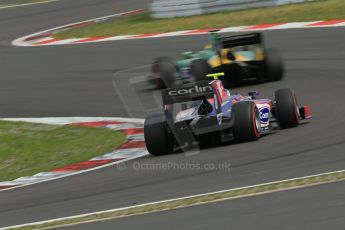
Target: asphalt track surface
x=315, y=208
x=79, y=81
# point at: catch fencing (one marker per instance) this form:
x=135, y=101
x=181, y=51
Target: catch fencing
x=182, y=8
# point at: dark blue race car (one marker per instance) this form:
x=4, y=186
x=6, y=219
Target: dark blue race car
x=206, y=113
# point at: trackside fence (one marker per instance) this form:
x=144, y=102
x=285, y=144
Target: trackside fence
x=182, y=8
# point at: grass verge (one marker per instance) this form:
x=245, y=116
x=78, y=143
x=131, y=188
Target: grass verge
x=143, y=23
x=194, y=200
x=27, y=149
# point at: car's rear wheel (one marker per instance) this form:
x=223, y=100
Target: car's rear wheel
x=157, y=138
x=164, y=71
x=199, y=68
x=247, y=124
x=273, y=65
x=287, y=111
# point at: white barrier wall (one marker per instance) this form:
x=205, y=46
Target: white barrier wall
x=181, y=8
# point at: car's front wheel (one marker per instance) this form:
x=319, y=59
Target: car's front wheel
x=287, y=111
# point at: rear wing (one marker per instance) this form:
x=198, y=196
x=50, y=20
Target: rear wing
x=190, y=92
x=240, y=40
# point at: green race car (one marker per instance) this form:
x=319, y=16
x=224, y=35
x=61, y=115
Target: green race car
x=241, y=58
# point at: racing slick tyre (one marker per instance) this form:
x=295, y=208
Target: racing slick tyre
x=157, y=138
x=164, y=71
x=199, y=68
x=273, y=65
x=287, y=111
x=247, y=124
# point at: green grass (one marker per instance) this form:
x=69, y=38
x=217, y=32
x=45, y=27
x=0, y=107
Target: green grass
x=139, y=24
x=27, y=149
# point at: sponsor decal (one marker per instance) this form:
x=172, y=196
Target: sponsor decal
x=264, y=114
x=191, y=90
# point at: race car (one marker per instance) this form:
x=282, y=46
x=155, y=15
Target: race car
x=240, y=57
x=206, y=113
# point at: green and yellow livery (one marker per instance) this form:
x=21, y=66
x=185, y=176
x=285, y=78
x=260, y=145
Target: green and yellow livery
x=240, y=57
